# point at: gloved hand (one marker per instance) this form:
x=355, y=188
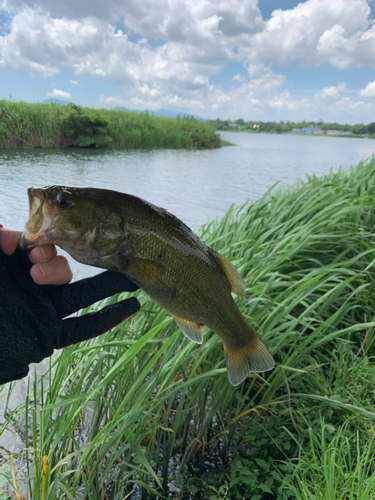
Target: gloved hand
x=31, y=315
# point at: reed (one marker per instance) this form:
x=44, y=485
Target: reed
x=142, y=412
x=25, y=125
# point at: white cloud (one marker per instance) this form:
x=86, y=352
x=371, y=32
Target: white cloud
x=60, y=94
x=351, y=106
x=369, y=91
x=177, y=45
x=40, y=45
x=285, y=102
x=266, y=81
x=113, y=101
x=316, y=31
x=332, y=92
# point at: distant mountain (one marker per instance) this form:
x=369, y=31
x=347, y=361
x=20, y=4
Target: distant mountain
x=121, y=108
x=55, y=101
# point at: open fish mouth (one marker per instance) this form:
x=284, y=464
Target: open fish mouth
x=38, y=227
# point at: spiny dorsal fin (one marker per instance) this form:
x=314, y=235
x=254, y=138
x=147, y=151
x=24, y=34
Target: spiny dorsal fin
x=235, y=279
x=192, y=330
x=254, y=357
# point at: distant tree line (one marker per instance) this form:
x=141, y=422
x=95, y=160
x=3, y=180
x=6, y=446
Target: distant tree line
x=285, y=127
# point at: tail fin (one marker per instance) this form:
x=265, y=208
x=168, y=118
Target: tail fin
x=254, y=357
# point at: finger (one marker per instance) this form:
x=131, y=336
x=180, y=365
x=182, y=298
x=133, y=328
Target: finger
x=85, y=292
x=9, y=240
x=54, y=272
x=42, y=254
x=91, y=325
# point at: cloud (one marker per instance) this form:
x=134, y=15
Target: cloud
x=369, y=91
x=354, y=107
x=332, y=92
x=170, y=20
x=113, y=101
x=266, y=81
x=60, y=94
x=314, y=32
x=162, y=53
x=40, y=45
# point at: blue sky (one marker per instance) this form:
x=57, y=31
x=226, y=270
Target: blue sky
x=262, y=60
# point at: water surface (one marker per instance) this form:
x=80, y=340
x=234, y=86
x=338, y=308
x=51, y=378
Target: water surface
x=194, y=185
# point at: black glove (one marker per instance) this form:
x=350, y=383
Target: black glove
x=31, y=324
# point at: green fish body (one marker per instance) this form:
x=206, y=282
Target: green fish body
x=157, y=251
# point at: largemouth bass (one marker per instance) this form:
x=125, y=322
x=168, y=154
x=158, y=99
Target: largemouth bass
x=157, y=251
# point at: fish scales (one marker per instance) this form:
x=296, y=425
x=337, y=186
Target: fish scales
x=157, y=251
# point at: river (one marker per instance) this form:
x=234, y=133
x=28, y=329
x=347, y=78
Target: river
x=193, y=185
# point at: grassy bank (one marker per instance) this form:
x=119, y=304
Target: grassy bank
x=24, y=125
x=144, y=412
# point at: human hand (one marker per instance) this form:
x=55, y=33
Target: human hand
x=31, y=315
x=48, y=267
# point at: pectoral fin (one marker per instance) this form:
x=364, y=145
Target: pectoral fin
x=234, y=277
x=192, y=330
x=140, y=269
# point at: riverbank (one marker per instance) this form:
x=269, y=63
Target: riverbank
x=313, y=128
x=24, y=125
x=142, y=411
x=303, y=134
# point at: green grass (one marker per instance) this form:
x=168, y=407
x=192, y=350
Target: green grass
x=142, y=409
x=25, y=125
x=338, y=464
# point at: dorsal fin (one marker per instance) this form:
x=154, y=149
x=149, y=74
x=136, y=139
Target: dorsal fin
x=235, y=279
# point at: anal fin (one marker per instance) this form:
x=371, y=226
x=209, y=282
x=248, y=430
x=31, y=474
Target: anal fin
x=253, y=357
x=193, y=331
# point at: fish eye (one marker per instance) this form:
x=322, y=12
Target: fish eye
x=63, y=201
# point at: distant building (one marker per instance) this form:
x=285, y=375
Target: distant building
x=336, y=132
x=312, y=130
x=297, y=130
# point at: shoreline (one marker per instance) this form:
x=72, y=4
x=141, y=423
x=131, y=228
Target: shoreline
x=34, y=126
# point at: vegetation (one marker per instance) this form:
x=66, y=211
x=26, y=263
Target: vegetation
x=24, y=125
x=286, y=127
x=142, y=412
x=86, y=127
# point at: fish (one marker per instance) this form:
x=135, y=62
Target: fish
x=157, y=251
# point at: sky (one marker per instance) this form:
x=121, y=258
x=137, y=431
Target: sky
x=229, y=59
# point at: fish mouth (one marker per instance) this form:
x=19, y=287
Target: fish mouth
x=38, y=227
